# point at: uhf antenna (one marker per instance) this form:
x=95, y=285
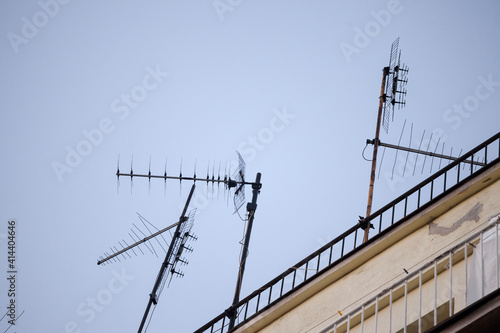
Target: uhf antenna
x=173, y=257
x=392, y=93
x=395, y=91
x=238, y=182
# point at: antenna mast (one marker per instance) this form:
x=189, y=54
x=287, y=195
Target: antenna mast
x=251, y=208
x=173, y=256
x=238, y=183
x=389, y=94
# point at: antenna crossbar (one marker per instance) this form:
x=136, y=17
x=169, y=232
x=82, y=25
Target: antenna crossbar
x=423, y=152
x=137, y=243
x=229, y=181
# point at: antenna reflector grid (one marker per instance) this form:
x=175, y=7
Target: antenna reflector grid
x=389, y=85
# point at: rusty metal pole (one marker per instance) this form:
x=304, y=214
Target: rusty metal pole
x=375, y=149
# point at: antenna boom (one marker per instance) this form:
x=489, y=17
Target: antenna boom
x=137, y=243
x=213, y=180
x=423, y=152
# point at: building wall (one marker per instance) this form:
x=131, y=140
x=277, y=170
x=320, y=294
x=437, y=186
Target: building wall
x=427, y=235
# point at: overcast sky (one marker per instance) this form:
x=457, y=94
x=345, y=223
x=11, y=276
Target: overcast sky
x=292, y=85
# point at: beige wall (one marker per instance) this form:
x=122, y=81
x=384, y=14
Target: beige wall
x=383, y=268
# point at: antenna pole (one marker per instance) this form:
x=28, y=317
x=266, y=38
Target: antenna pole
x=376, y=142
x=251, y=208
x=164, y=266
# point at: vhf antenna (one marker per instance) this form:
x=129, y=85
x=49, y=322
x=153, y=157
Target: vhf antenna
x=173, y=256
x=238, y=182
x=392, y=93
x=426, y=150
x=135, y=235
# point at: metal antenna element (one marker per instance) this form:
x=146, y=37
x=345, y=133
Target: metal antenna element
x=390, y=94
x=427, y=147
x=239, y=178
x=173, y=257
x=237, y=181
x=427, y=153
x=138, y=238
x=395, y=90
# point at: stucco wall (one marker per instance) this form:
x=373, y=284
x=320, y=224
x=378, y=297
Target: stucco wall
x=384, y=268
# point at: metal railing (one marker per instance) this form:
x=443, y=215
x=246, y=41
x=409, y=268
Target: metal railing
x=287, y=282
x=397, y=211
x=448, y=278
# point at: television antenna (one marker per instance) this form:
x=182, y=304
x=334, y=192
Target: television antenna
x=392, y=93
x=238, y=183
x=173, y=256
x=175, y=250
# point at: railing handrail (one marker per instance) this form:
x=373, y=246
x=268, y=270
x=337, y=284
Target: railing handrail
x=359, y=225
x=284, y=274
x=414, y=273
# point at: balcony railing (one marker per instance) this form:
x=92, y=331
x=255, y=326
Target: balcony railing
x=433, y=292
x=397, y=211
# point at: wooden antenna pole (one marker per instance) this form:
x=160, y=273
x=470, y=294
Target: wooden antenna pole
x=375, y=149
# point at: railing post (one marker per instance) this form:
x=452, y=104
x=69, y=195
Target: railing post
x=435, y=292
x=450, y=264
x=420, y=301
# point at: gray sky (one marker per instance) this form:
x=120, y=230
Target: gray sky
x=292, y=85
